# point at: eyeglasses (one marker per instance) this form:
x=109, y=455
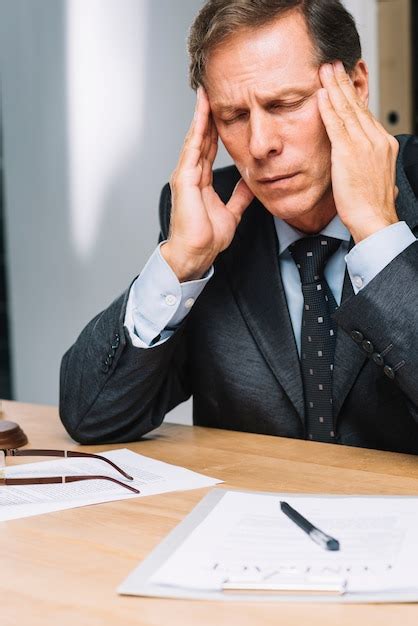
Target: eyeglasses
x=50, y=480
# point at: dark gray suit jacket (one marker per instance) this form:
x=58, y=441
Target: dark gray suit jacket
x=236, y=354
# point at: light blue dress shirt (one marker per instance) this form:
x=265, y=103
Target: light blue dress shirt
x=158, y=302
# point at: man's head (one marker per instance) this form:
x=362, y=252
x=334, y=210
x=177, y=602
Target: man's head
x=259, y=63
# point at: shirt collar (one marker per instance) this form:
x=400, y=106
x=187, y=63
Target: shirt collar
x=287, y=235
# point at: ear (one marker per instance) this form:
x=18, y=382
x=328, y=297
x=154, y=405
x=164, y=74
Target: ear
x=360, y=78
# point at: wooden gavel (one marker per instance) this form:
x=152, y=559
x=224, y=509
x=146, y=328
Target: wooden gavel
x=11, y=435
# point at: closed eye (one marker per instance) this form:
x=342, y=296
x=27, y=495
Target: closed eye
x=276, y=106
x=236, y=118
x=287, y=105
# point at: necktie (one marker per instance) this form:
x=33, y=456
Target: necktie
x=318, y=333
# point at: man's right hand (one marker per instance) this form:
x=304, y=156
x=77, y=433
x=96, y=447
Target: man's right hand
x=201, y=224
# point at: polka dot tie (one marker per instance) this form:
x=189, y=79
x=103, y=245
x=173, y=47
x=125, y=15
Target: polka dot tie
x=318, y=333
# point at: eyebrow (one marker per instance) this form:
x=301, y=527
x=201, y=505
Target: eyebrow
x=221, y=108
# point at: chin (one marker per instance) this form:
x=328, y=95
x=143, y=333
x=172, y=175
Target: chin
x=290, y=207
x=287, y=216
x=295, y=203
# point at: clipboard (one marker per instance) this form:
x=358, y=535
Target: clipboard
x=139, y=582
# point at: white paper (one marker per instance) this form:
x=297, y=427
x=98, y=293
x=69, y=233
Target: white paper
x=246, y=537
x=150, y=477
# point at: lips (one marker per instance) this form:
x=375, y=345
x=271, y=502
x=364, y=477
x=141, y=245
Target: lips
x=273, y=179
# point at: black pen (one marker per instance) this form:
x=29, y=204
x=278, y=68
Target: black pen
x=321, y=538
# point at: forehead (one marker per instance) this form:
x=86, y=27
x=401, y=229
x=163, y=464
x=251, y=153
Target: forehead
x=279, y=54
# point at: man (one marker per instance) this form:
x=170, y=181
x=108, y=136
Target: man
x=283, y=293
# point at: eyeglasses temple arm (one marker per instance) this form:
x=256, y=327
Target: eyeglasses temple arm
x=66, y=453
x=51, y=480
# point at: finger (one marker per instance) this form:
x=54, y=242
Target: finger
x=393, y=142
x=334, y=125
x=371, y=126
x=208, y=137
x=391, y=139
x=208, y=160
x=197, y=130
x=206, y=177
x=364, y=116
x=213, y=143
x=201, y=116
x=240, y=199
x=193, y=143
x=205, y=150
x=378, y=136
x=339, y=102
x=346, y=85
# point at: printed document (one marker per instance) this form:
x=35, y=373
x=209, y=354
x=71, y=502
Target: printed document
x=246, y=538
x=150, y=477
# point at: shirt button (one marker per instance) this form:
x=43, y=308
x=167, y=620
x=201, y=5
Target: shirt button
x=170, y=300
x=358, y=282
x=189, y=303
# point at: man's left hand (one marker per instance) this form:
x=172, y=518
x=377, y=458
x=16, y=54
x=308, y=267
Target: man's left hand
x=363, y=156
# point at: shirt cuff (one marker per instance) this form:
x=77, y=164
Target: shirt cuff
x=371, y=255
x=158, y=302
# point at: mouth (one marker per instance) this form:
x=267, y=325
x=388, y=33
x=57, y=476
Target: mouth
x=276, y=179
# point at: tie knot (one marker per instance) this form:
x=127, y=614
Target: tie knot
x=311, y=255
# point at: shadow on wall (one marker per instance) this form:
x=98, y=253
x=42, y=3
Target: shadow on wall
x=123, y=221
x=126, y=126
x=56, y=283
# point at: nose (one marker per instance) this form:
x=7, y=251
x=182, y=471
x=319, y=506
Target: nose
x=265, y=140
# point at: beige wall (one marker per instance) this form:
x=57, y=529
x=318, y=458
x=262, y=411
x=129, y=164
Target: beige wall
x=395, y=65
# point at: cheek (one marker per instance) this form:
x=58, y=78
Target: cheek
x=234, y=142
x=310, y=126
x=313, y=140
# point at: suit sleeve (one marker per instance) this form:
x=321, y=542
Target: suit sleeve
x=383, y=320
x=112, y=391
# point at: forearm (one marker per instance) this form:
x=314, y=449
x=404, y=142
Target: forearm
x=126, y=398
x=384, y=314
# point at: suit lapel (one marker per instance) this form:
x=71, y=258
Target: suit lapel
x=253, y=269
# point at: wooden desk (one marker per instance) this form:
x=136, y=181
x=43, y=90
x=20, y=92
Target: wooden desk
x=63, y=568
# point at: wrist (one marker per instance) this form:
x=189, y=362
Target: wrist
x=369, y=228
x=186, y=267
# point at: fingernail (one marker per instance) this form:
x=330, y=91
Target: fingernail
x=339, y=66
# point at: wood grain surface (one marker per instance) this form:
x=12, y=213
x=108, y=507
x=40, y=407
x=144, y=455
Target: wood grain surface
x=63, y=568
